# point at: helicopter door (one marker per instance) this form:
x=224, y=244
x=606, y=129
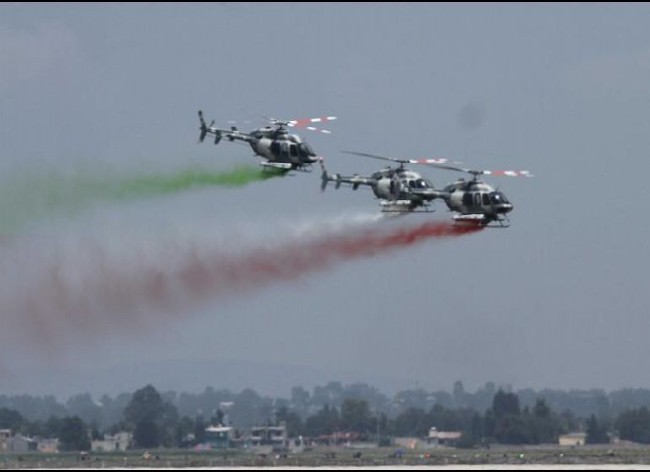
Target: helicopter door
x=486, y=200
x=467, y=200
x=275, y=148
x=477, y=200
x=285, y=149
x=293, y=151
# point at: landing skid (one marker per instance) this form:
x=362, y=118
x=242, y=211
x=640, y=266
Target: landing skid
x=286, y=167
x=404, y=206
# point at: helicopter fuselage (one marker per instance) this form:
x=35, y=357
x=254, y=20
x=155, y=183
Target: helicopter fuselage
x=401, y=184
x=475, y=197
x=280, y=147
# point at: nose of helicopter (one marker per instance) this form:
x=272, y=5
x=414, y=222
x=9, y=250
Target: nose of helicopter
x=505, y=208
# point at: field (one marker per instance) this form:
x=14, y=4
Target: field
x=339, y=457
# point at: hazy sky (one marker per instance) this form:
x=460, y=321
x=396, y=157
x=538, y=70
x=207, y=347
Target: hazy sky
x=560, y=299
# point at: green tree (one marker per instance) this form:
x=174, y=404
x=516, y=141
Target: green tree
x=473, y=434
x=355, y=415
x=52, y=427
x=85, y=408
x=10, y=419
x=596, y=434
x=634, y=425
x=510, y=426
x=411, y=423
x=512, y=429
x=326, y=421
x=184, y=428
x=459, y=394
x=291, y=420
x=199, y=429
x=545, y=425
x=152, y=421
x=300, y=399
x=73, y=435
x=505, y=404
x=147, y=434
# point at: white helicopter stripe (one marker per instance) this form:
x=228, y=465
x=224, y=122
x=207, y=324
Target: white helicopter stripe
x=428, y=161
x=509, y=173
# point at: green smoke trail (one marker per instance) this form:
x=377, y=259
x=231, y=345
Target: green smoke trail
x=30, y=197
x=153, y=185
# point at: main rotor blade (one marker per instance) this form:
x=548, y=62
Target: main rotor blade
x=305, y=122
x=442, y=164
x=311, y=128
x=401, y=161
x=374, y=156
x=509, y=173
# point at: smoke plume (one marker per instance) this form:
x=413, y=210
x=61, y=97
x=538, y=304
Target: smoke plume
x=28, y=197
x=87, y=287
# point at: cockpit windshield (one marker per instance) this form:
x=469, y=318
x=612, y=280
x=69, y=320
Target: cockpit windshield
x=420, y=183
x=306, y=150
x=498, y=198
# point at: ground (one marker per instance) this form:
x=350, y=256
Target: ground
x=343, y=457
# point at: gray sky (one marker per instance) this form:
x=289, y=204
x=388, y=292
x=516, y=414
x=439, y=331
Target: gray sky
x=558, y=300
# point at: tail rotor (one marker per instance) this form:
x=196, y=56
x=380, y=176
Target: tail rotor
x=324, y=177
x=205, y=129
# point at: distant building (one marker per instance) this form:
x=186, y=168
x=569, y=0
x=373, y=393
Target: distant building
x=443, y=438
x=48, y=446
x=573, y=439
x=268, y=438
x=338, y=438
x=117, y=443
x=21, y=444
x=219, y=437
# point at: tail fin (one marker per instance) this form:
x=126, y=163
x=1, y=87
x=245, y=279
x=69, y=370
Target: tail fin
x=325, y=177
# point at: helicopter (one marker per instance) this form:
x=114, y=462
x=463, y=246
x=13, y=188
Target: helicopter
x=403, y=190
x=279, y=149
x=399, y=189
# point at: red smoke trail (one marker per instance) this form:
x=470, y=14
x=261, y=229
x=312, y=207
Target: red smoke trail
x=203, y=277
x=107, y=293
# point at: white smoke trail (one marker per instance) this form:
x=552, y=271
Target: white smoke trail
x=109, y=279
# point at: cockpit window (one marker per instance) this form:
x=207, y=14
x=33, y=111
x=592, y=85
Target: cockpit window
x=498, y=198
x=306, y=150
x=422, y=183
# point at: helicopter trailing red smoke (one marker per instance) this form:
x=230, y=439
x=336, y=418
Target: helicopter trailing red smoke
x=94, y=291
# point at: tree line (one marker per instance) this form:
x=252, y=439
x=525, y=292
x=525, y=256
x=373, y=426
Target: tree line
x=489, y=415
